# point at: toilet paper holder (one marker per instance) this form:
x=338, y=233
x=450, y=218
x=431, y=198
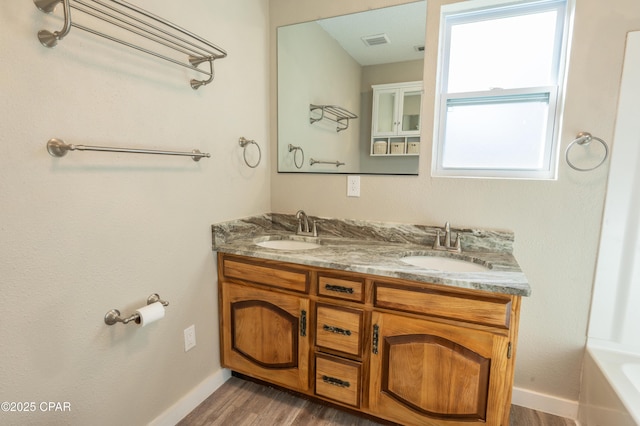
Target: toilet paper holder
x=113, y=316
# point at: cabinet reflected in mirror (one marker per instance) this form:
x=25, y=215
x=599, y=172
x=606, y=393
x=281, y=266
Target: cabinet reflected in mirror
x=349, y=85
x=396, y=119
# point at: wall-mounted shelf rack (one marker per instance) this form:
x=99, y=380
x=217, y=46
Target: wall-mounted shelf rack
x=333, y=113
x=149, y=33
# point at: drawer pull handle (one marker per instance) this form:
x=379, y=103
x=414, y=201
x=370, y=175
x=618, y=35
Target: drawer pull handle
x=335, y=382
x=376, y=331
x=336, y=330
x=338, y=288
x=303, y=323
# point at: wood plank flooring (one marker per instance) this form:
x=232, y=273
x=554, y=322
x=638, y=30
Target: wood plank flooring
x=243, y=403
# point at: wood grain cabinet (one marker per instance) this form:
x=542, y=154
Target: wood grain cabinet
x=424, y=369
x=264, y=333
x=406, y=352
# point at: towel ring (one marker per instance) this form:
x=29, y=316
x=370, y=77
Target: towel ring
x=243, y=143
x=584, y=139
x=296, y=149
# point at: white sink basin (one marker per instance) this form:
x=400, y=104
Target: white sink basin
x=444, y=264
x=288, y=244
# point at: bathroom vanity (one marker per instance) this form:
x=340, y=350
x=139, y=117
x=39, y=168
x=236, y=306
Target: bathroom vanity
x=348, y=322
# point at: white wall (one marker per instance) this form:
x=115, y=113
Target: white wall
x=556, y=223
x=94, y=231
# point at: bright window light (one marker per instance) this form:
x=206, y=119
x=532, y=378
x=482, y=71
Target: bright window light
x=499, y=84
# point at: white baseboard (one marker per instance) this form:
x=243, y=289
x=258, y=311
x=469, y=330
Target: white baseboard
x=545, y=403
x=184, y=406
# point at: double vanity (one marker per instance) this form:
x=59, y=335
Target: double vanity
x=370, y=317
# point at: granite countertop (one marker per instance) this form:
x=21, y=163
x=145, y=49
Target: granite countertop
x=376, y=248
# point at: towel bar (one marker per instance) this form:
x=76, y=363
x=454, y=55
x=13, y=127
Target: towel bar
x=336, y=163
x=58, y=148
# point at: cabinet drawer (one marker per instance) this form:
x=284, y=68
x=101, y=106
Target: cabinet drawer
x=274, y=275
x=338, y=379
x=341, y=288
x=339, y=329
x=484, y=310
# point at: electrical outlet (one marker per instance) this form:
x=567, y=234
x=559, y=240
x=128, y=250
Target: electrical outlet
x=353, y=186
x=189, y=337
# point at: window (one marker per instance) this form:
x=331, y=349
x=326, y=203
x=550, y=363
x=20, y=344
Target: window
x=499, y=83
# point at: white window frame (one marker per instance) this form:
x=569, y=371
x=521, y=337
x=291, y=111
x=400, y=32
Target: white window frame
x=461, y=13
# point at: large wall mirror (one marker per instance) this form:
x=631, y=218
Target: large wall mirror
x=350, y=92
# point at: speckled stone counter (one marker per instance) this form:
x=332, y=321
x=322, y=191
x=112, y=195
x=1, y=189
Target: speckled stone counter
x=376, y=248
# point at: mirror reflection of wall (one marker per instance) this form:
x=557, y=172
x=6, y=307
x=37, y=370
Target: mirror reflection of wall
x=327, y=63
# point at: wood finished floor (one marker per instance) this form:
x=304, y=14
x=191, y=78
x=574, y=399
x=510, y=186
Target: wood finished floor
x=243, y=403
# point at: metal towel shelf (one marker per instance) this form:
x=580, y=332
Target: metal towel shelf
x=143, y=25
x=334, y=113
x=58, y=148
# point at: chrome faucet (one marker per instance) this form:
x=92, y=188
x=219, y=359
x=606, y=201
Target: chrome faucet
x=303, y=225
x=456, y=247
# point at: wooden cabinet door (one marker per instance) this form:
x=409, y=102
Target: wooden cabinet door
x=265, y=335
x=429, y=373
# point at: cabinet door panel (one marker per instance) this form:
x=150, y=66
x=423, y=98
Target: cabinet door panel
x=410, y=114
x=264, y=335
x=443, y=371
x=385, y=112
x=425, y=372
